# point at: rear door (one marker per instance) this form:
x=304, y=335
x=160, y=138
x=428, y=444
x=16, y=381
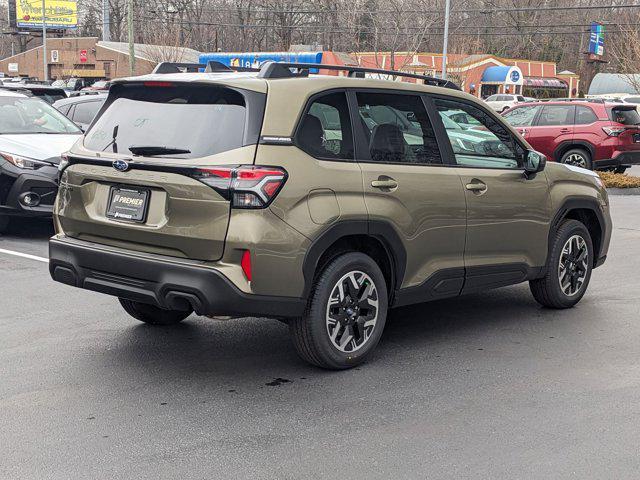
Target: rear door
x=507, y=213
x=145, y=200
x=554, y=126
x=407, y=184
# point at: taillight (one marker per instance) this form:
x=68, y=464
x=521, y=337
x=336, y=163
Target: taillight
x=245, y=186
x=614, y=131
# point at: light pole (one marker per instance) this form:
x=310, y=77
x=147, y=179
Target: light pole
x=132, y=51
x=445, y=42
x=44, y=43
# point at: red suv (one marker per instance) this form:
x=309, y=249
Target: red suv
x=591, y=134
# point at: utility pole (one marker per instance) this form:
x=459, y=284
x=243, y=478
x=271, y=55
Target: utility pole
x=132, y=52
x=106, y=21
x=44, y=43
x=445, y=42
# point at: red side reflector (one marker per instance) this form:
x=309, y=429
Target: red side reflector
x=158, y=84
x=245, y=263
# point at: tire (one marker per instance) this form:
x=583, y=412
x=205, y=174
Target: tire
x=355, y=337
x=578, y=158
x=151, y=314
x=548, y=290
x=4, y=223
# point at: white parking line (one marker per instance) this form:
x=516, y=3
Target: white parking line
x=24, y=255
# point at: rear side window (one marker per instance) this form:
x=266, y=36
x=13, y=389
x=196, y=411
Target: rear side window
x=325, y=131
x=201, y=119
x=398, y=129
x=625, y=116
x=85, y=112
x=522, y=116
x=585, y=116
x=556, y=115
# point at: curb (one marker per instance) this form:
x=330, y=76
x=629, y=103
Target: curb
x=623, y=191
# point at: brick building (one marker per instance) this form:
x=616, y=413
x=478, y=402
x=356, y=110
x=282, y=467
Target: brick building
x=90, y=58
x=483, y=74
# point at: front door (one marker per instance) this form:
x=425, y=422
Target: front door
x=407, y=184
x=507, y=213
x=553, y=127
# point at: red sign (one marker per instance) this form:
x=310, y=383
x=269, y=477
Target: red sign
x=83, y=56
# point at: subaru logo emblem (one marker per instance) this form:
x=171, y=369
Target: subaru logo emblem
x=120, y=165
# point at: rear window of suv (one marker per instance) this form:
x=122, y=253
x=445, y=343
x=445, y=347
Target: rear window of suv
x=202, y=119
x=625, y=116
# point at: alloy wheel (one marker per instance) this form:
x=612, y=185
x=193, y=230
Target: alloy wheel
x=573, y=265
x=576, y=160
x=352, y=311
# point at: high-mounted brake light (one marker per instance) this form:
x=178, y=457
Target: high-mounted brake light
x=246, y=186
x=158, y=84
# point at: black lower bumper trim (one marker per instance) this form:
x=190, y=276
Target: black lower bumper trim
x=165, y=284
x=624, y=159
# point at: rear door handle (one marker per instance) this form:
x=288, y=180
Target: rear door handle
x=476, y=187
x=383, y=182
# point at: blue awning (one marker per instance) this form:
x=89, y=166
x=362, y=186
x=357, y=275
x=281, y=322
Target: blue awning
x=495, y=74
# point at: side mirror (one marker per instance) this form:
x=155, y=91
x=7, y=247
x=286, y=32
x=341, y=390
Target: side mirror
x=534, y=162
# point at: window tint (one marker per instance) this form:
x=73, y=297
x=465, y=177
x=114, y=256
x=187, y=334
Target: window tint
x=585, y=116
x=85, y=112
x=488, y=146
x=202, y=119
x=398, y=129
x=556, y=115
x=520, y=98
x=632, y=99
x=522, y=116
x=624, y=116
x=325, y=131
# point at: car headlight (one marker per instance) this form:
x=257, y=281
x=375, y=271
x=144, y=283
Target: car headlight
x=23, y=162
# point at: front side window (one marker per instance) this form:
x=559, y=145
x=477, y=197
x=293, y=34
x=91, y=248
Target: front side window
x=325, y=131
x=556, y=115
x=32, y=115
x=490, y=145
x=522, y=116
x=398, y=129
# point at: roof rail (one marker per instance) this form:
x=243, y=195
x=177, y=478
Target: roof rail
x=592, y=100
x=271, y=69
x=173, y=67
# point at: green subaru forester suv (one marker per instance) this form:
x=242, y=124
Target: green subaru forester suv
x=319, y=200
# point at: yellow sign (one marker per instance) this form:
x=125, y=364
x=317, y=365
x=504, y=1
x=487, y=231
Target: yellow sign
x=82, y=72
x=57, y=13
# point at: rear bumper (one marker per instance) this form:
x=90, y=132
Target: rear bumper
x=16, y=182
x=624, y=158
x=159, y=281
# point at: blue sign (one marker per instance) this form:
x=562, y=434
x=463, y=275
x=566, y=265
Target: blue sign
x=515, y=76
x=596, y=39
x=255, y=59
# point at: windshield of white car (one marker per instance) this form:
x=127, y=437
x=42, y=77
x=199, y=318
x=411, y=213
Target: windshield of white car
x=28, y=115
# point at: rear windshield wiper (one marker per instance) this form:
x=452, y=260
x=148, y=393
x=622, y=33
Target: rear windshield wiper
x=151, y=150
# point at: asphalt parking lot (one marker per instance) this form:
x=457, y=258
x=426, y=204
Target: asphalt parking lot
x=483, y=386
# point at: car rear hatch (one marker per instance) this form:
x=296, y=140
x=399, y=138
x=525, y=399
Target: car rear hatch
x=625, y=125
x=147, y=175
